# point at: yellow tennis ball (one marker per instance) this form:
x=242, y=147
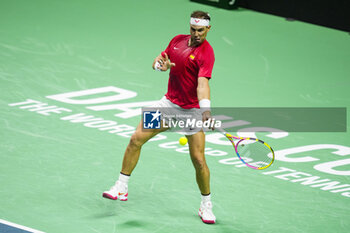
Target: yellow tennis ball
x=183, y=141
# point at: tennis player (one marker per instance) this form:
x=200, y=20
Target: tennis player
x=190, y=59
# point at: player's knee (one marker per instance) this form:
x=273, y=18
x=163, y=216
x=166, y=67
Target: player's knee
x=135, y=141
x=199, y=163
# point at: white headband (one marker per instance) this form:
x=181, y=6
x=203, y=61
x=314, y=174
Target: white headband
x=199, y=22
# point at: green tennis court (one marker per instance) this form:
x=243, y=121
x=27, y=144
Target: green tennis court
x=57, y=157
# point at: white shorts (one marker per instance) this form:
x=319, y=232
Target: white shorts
x=172, y=115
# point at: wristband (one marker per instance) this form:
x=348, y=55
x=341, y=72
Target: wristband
x=204, y=104
x=156, y=66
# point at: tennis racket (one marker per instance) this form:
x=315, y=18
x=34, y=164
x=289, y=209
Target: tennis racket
x=252, y=152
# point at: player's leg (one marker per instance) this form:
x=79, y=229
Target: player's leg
x=131, y=156
x=196, y=144
x=132, y=152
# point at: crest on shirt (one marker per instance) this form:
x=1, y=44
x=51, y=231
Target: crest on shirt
x=192, y=56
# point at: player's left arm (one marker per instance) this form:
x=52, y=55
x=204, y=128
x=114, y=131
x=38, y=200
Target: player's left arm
x=206, y=64
x=203, y=94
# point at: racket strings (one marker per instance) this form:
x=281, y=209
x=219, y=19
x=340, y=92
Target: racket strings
x=255, y=153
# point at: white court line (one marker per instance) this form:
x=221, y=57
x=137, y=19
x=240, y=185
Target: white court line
x=19, y=226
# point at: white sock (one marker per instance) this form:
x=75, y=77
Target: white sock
x=206, y=198
x=124, y=178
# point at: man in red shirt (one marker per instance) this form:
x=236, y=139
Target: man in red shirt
x=190, y=59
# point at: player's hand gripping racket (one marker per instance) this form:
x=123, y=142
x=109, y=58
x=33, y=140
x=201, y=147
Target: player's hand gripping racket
x=252, y=152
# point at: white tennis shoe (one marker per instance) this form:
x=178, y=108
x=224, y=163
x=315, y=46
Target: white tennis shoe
x=206, y=213
x=117, y=191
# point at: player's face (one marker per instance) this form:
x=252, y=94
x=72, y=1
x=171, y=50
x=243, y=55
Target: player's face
x=198, y=34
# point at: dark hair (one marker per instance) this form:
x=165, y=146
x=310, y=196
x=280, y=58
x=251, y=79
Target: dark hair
x=200, y=15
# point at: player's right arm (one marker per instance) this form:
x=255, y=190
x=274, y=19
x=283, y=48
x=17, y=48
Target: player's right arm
x=162, y=62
